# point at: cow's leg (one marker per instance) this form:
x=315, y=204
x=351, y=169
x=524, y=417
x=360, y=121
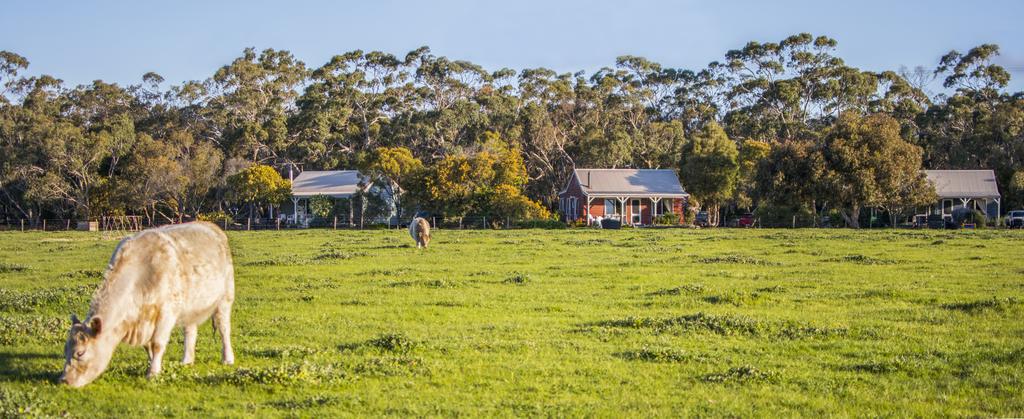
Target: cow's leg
x=223, y=322
x=191, y=333
x=158, y=345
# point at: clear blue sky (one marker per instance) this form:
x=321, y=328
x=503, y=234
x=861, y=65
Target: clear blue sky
x=118, y=41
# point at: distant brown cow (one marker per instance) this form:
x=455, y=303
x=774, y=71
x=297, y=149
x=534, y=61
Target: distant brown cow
x=419, y=229
x=160, y=278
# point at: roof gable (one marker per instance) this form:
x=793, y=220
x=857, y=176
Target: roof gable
x=631, y=182
x=333, y=183
x=964, y=183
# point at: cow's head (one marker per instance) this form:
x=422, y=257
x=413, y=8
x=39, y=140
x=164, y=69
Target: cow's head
x=86, y=354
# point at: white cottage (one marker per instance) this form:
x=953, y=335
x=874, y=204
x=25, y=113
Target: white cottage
x=338, y=184
x=970, y=189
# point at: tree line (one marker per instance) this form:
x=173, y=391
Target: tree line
x=779, y=127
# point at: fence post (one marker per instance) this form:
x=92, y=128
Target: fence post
x=225, y=224
x=44, y=224
x=794, y=221
x=278, y=223
x=68, y=226
x=485, y=222
x=248, y=224
x=335, y=222
x=435, y=221
x=460, y=223
x=22, y=224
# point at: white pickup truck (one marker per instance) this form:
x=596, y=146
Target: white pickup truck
x=1015, y=219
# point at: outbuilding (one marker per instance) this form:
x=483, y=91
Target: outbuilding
x=632, y=196
x=964, y=189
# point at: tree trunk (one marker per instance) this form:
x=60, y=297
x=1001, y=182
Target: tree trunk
x=851, y=216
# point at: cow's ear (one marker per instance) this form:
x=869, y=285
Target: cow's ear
x=74, y=320
x=96, y=325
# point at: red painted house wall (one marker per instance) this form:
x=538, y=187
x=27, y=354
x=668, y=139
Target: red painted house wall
x=573, y=189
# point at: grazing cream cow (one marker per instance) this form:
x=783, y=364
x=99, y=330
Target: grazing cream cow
x=160, y=278
x=419, y=229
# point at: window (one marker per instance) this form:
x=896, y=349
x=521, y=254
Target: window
x=947, y=206
x=665, y=206
x=610, y=207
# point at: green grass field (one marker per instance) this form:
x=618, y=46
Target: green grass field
x=554, y=323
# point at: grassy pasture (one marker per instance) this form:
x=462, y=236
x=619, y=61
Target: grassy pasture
x=554, y=323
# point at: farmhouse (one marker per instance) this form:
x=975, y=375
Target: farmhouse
x=338, y=184
x=633, y=196
x=968, y=189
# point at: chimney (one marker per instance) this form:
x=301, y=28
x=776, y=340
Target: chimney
x=588, y=178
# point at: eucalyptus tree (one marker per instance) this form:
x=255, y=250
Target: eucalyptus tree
x=447, y=116
x=347, y=105
x=251, y=99
x=868, y=164
x=978, y=125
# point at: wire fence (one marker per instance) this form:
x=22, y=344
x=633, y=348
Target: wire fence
x=469, y=222
x=134, y=223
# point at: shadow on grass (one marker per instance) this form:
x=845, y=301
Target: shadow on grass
x=29, y=367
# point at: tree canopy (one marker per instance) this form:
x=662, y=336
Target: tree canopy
x=450, y=135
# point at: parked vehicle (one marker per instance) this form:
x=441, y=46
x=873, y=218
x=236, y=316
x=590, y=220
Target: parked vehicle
x=1015, y=219
x=701, y=220
x=746, y=220
x=611, y=224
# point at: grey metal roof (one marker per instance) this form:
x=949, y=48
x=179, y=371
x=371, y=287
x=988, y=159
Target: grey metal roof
x=964, y=183
x=630, y=182
x=333, y=183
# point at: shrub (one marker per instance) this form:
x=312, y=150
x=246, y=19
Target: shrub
x=321, y=205
x=668, y=218
x=216, y=217
x=979, y=219
x=546, y=224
